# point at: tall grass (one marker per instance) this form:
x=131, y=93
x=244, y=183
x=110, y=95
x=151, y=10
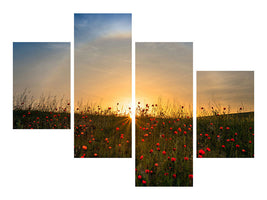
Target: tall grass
x=102, y=132
x=223, y=134
x=164, y=151
x=45, y=112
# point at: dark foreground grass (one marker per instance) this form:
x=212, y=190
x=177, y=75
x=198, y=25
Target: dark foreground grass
x=34, y=119
x=104, y=136
x=226, y=136
x=164, y=152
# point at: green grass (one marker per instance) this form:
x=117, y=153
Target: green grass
x=226, y=135
x=102, y=136
x=169, y=135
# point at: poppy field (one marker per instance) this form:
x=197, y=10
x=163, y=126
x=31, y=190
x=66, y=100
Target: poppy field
x=164, y=151
x=225, y=135
x=102, y=133
x=43, y=113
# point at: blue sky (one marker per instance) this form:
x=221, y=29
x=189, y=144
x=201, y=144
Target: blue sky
x=42, y=68
x=102, y=58
x=88, y=27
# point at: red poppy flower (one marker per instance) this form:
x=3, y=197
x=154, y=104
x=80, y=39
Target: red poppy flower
x=208, y=149
x=190, y=176
x=141, y=157
x=164, y=153
x=186, y=158
x=139, y=177
x=201, y=152
x=84, y=147
x=173, y=159
x=174, y=175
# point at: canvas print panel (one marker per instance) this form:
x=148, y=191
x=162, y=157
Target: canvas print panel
x=164, y=97
x=41, y=85
x=102, y=85
x=225, y=114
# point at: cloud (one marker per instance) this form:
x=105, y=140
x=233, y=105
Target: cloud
x=226, y=87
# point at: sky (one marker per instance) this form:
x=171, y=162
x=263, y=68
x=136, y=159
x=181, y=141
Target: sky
x=102, y=59
x=42, y=68
x=226, y=88
x=165, y=71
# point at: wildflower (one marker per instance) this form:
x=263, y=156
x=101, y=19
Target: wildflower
x=174, y=175
x=164, y=152
x=201, y=152
x=141, y=157
x=186, y=158
x=151, y=151
x=208, y=149
x=223, y=146
x=190, y=176
x=173, y=159
x=84, y=147
x=156, y=164
x=139, y=177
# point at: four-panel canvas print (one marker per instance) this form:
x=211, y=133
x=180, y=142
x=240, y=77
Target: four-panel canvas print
x=163, y=100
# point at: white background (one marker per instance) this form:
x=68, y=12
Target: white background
x=39, y=164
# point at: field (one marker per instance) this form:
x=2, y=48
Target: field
x=164, y=151
x=45, y=112
x=226, y=135
x=34, y=119
x=102, y=135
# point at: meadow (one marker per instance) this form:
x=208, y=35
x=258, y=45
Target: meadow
x=224, y=134
x=164, y=147
x=45, y=112
x=102, y=133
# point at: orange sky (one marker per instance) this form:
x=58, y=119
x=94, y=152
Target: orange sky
x=221, y=89
x=103, y=60
x=164, y=71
